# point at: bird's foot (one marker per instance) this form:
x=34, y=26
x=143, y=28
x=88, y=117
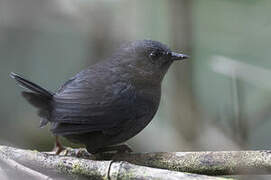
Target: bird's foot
x=123, y=148
x=82, y=153
x=58, y=147
x=109, y=152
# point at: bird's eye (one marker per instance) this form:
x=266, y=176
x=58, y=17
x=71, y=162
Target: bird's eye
x=154, y=55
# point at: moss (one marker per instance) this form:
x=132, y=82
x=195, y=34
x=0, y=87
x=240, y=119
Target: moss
x=77, y=169
x=66, y=170
x=61, y=166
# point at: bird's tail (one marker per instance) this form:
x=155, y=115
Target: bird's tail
x=37, y=96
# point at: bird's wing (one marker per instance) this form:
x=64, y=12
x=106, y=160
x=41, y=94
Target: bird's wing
x=92, y=101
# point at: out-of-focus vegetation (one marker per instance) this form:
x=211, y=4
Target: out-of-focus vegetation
x=217, y=100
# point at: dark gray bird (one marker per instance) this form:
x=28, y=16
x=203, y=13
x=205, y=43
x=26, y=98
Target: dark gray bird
x=111, y=101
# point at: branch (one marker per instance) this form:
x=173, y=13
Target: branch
x=208, y=163
x=93, y=169
x=22, y=169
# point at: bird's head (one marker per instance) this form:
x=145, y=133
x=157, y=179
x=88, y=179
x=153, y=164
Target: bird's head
x=148, y=57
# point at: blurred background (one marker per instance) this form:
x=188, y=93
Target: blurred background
x=217, y=100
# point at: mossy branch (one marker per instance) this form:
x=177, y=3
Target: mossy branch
x=38, y=165
x=77, y=162
x=205, y=162
x=208, y=163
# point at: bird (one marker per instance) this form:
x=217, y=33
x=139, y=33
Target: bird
x=109, y=102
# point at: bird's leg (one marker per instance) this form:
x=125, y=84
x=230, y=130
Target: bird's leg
x=58, y=146
x=123, y=148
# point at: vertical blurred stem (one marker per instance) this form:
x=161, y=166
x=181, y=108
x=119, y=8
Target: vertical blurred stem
x=240, y=125
x=182, y=109
x=235, y=105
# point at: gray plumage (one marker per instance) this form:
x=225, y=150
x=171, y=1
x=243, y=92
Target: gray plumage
x=109, y=102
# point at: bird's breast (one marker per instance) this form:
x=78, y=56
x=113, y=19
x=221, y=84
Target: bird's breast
x=144, y=109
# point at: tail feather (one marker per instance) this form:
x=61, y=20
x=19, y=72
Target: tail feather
x=36, y=96
x=30, y=85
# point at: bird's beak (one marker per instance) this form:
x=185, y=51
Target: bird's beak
x=177, y=56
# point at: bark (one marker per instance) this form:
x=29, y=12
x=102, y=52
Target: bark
x=38, y=165
x=206, y=162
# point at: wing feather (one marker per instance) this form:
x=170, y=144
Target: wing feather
x=85, y=105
